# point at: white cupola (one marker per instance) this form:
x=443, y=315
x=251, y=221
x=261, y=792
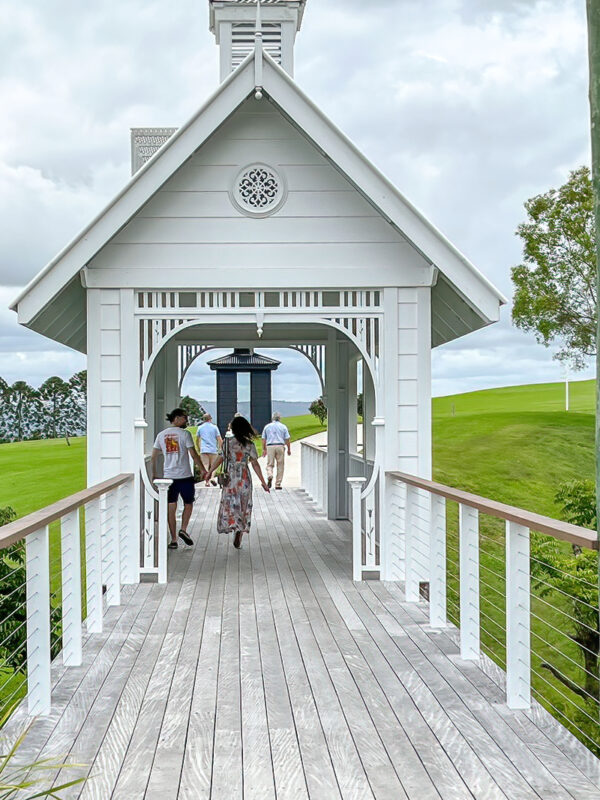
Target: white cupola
x=234, y=24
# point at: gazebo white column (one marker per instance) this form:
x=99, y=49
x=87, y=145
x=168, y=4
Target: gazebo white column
x=337, y=374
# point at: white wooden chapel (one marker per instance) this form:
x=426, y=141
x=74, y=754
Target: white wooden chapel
x=258, y=223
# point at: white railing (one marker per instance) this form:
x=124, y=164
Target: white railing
x=503, y=594
x=102, y=517
x=313, y=471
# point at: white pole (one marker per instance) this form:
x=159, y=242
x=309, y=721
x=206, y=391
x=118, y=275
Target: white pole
x=37, y=550
x=163, y=485
x=356, y=485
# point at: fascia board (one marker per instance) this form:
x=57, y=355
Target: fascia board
x=475, y=288
x=140, y=188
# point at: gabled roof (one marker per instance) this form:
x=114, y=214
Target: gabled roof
x=53, y=303
x=243, y=358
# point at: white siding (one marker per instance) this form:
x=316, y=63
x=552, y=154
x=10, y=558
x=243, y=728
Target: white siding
x=325, y=228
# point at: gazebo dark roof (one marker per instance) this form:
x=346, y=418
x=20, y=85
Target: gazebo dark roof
x=243, y=359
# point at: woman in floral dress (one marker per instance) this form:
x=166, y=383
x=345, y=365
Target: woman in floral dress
x=235, y=510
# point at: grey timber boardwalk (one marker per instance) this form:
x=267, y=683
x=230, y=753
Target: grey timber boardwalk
x=267, y=673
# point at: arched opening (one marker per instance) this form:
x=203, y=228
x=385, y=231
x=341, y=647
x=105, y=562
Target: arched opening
x=161, y=375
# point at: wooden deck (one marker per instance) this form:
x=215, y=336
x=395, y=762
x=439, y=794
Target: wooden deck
x=266, y=673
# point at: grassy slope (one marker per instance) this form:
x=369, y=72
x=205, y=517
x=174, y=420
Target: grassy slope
x=515, y=444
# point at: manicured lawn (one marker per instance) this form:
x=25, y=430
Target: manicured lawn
x=301, y=427
x=35, y=474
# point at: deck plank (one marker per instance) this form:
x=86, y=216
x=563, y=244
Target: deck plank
x=267, y=673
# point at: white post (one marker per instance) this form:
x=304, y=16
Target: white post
x=38, y=621
x=128, y=543
x=469, y=581
x=411, y=578
x=356, y=485
x=71, y=589
x=518, y=620
x=112, y=558
x=437, y=569
x=162, y=485
x=93, y=558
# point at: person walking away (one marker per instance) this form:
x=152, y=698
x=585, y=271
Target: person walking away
x=209, y=442
x=176, y=445
x=235, y=509
x=275, y=440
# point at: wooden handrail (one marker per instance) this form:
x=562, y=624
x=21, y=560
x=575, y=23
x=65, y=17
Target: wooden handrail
x=565, y=531
x=20, y=528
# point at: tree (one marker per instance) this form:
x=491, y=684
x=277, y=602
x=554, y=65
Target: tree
x=360, y=404
x=56, y=397
x=555, y=286
x=78, y=414
x=574, y=575
x=319, y=409
x=23, y=412
x=193, y=408
x=5, y=432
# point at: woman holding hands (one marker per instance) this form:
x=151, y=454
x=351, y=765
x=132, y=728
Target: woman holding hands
x=235, y=509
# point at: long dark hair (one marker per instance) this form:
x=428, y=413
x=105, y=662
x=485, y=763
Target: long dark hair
x=242, y=430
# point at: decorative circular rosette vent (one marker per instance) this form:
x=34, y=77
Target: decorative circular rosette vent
x=259, y=190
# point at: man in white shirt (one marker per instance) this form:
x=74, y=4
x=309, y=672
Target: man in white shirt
x=275, y=440
x=209, y=442
x=176, y=445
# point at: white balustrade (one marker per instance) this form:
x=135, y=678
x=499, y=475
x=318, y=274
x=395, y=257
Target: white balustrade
x=163, y=539
x=106, y=510
x=468, y=546
x=518, y=617
x=71, y=588
x=313, y=466
x=37, y=548
x=356, y=486
x=406, y=522
x=93, y=557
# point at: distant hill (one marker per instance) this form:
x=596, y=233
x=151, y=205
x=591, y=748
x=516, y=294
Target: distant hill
x=287, y=408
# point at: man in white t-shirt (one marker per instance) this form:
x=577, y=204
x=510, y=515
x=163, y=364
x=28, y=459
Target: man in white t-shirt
x=275, y=440
x=209, y=442
x=176, y=445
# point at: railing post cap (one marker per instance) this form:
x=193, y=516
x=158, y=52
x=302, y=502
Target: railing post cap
x=378, y=422
x=163, y=482
x=358, y=482
x=140, y=423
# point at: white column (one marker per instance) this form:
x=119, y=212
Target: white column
x=518, y=619
x=356, y=485
x=93, y=559
x=469, y=581
x=162, y=484
x=71, y=589
x=437, y=556
x=411, y=580
x=130, y=365
x=111, y=567
x=38, y=622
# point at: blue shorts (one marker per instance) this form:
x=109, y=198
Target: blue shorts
x=184, y=488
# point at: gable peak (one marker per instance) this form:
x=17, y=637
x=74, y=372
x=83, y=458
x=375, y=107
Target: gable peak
x=235, y=24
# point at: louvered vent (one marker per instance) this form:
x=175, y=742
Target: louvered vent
x=242, y=41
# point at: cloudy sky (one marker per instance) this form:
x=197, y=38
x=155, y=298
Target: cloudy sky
x=469, y=106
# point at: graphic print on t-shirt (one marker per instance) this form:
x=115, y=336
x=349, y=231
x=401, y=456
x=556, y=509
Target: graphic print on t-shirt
x=172, y=444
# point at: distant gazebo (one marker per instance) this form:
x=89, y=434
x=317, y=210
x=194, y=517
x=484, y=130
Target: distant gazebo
x=228, y=368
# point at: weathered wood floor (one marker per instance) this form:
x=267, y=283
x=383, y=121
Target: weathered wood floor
x=267, y=673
